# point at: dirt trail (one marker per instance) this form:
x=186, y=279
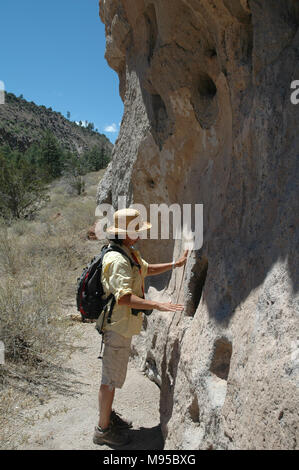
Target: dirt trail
x=67, y=421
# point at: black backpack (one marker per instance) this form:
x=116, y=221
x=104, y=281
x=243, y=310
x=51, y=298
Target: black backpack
x=90, y=292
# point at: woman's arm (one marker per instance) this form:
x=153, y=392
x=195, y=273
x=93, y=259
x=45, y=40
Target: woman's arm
x=134, y=301
x=154, y=269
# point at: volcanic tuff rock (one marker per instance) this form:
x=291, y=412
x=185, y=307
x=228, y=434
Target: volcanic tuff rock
x=208, y=119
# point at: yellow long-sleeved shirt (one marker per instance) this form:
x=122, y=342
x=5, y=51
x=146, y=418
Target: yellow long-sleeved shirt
x=119, y=278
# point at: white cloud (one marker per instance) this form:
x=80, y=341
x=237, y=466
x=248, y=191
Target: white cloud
x=83, y=123
x=111, y=128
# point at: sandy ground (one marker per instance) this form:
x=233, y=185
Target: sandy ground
x=67, y=421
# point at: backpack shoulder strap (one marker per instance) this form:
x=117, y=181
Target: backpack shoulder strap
x=133, y=263
x=119, y=250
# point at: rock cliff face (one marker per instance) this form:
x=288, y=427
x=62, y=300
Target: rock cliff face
x=208, y=119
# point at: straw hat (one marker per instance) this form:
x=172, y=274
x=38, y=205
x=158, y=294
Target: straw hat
x=128, y=221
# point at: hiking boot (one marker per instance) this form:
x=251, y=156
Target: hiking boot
x=116, y=421
x=109, y=436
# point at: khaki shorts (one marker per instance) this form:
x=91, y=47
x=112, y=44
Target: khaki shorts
x=115, y=359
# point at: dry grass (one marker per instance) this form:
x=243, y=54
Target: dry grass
x=10, y=255
x=39, y=265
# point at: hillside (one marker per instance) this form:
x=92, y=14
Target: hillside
x=22, y=123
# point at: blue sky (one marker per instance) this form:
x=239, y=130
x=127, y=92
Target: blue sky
x=53, y=53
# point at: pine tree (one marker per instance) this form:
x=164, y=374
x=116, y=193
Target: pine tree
x=96, y=158
x=73, y=170
x=51, y=155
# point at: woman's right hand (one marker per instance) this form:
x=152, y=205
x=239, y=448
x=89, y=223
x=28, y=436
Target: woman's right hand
x=169, y=307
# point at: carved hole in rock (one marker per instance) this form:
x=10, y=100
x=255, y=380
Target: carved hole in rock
x=206, y=86
x=211, y=52
x=221, y=358
x=151, y=183
x=195, y=285
x=194, y=410
x=204, y=100
x=151, y=21
x=160, y=122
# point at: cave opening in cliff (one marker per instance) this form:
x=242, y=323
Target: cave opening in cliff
x=160, y=113
x=204, y=100
x=161, y=124
x=206, y=86
x=195, y=285
x=221, y=358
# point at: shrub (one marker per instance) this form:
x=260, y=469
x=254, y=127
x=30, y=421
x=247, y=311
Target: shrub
x=30, y=326
x=22, y=190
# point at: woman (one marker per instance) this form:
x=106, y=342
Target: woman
x=126, y=283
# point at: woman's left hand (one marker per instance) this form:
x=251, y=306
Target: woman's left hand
x=181, y=261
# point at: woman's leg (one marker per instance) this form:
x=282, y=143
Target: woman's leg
x=114, y=370
x=106, y=396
